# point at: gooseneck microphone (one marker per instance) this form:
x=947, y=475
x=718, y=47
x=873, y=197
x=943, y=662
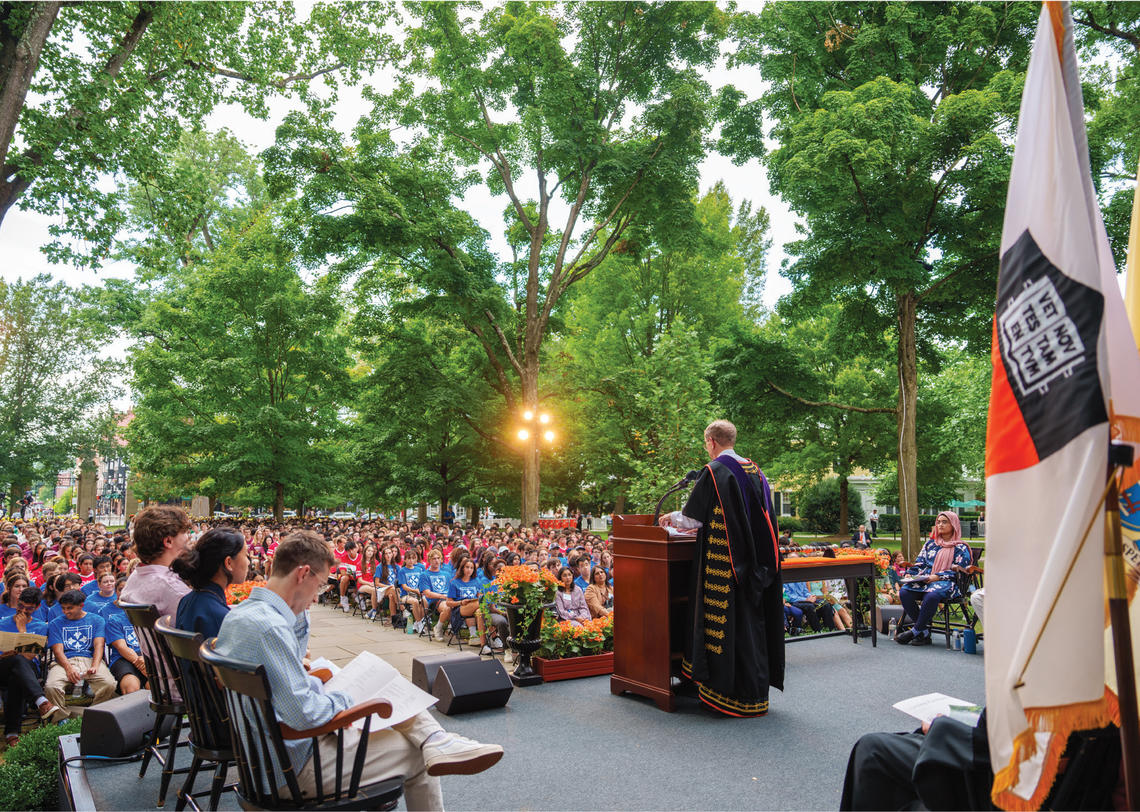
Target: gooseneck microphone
x=685, y=480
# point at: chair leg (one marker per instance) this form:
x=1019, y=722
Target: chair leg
x=152, y=744
x=168, y=767
x=188, y=785
x=219, y=784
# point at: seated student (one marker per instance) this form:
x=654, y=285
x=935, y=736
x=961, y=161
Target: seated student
x=14, y=584
x=581, y=567
x=102, y=567
x=265, y=629
x=463, y=596
x=98, y=601
x=933, y=577
x=815, y=610
x=434, y=588
x=599, y=599
x=861, y=538
x=218, y=559
x=124, y=653
x=62, y=583
x=86, y=569
x=499, y=624
x=77, y=640
x=793, y=619
x=18, y=671
x=348, y=562
x=819, y=591
x=386, y=581
x=411, y=589
x=569, y=601
x=162, y=533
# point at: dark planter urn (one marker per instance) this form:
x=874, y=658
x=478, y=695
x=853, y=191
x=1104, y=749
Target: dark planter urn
x=525, y=642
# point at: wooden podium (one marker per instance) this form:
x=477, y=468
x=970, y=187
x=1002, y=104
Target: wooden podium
x=651, y=607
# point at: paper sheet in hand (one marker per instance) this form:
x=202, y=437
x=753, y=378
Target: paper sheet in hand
x=927, y=706
x=12, y=641
x=674, y=533
x=368, y=677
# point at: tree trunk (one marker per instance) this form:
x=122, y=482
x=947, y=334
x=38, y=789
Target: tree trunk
x=213, y=505
x=19, y=58
x=278, y=501
x=844, y=519
x=907, y=405
x=421, y=512
x=530, y=449
x=619, y=505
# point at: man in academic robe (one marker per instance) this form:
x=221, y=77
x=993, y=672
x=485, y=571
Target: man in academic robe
x=734, y=649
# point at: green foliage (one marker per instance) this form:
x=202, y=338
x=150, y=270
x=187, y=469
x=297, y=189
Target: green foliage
x=118, y=82
x=819, y=507
x=29, y=775
x=55, y=389
x=562, y=639
x=793, y=523
x=63, y=503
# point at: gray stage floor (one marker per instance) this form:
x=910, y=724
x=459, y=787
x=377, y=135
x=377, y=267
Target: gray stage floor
x=572, y=745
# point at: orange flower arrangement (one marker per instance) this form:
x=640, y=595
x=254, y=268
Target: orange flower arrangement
x=236, y=593
x=525, y=588
x=564, y=639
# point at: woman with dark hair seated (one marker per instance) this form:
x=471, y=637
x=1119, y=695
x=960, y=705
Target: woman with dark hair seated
x=216, y=561
x=17, y=672
x=598, y=596
x=570, y=602
x=933, y=578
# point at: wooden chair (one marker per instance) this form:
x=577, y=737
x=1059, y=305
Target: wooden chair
x=206, y=713
x=266, y=779
x=165, y=698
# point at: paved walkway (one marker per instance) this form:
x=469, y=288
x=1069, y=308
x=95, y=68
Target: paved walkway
x=341, y=637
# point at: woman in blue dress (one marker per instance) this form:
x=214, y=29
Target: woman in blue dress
x=933, y=577
x=463, y=597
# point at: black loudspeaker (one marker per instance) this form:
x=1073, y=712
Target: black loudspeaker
x=119, y=726
x=424, y=669
x=462, y=687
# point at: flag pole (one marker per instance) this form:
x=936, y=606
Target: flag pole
x=1120, y=457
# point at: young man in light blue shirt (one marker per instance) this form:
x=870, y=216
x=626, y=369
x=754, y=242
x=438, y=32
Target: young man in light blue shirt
x=267, y=628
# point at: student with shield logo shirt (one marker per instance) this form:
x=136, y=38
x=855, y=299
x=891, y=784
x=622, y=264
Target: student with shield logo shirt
x=77, y=640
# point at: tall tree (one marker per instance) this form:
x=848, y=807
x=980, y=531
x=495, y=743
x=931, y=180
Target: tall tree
x=591, y=113
x=240, y=370
x=94, y=89
x=808, y=393
x=893, y=127
x=56, y=387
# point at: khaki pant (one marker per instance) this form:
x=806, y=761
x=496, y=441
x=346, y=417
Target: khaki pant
x=391, y=752
x=102, y=683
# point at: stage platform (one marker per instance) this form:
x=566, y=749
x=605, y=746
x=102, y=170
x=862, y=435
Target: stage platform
x=573, y=745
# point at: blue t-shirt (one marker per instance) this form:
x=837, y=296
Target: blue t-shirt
x=581, y=582
x=435, y=581
x=77, y=636
x=462, y=590
x=119, y=628
x=409, y=578
x=40, y=615
x=53, y=612
x=6, y=611
x=90, y=588
x=393, y=575
x=97, y=603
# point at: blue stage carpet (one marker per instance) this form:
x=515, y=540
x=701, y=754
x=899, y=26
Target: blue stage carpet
x=573, y=745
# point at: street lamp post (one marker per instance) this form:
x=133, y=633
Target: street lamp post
x=536, y=425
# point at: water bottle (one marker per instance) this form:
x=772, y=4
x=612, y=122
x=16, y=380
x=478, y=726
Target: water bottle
x=408, y=626
x=957, y=640
x=970, y=641
x=893, y=628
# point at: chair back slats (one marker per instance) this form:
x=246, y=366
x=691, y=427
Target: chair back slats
x=264, y=767
x=205, y=704
x=163, y=676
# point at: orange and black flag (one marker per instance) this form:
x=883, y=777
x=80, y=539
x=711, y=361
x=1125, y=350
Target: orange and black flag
x=1066, y=383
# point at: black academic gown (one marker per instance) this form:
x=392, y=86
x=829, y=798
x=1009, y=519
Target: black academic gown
x=734, y=648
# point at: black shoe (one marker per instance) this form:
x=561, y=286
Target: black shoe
x=924, y=640
x=904, y=637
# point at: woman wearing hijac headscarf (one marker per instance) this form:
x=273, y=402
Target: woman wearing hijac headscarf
x=931, y=579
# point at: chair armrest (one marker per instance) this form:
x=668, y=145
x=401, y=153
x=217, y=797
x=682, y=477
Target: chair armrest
x=323, y=674
x=382, y=707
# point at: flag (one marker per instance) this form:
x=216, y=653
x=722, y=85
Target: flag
x=1066, y=381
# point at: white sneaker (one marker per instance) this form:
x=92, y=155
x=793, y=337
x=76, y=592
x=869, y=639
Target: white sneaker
x=344, y=604
x=449, y=754
x=496, y=644
x=418, y=626
x=438, y=630
x=485, y=651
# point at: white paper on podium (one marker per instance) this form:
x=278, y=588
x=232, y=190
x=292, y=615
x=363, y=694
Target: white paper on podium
x=368, y=677
x=674, y=533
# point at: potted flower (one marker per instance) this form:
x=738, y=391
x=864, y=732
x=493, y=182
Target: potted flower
x=236, y=593
x=569, y=651
x=523, y=593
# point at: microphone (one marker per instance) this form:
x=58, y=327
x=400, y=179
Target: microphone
x=691, y=476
